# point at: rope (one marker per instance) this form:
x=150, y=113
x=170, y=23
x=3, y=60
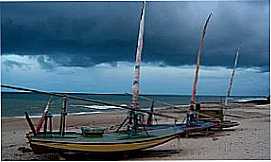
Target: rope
x=87, y=100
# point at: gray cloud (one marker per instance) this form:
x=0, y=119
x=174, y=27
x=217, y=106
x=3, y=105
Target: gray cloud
x=88, y=33
x=12, y=64
x=45, y=63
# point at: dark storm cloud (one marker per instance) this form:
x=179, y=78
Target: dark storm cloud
x=88, y=33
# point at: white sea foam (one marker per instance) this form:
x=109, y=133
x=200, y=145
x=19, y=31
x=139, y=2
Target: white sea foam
x=262, y=106
x=251, y=99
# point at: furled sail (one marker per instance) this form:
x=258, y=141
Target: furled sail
x=194, y=88
x=135, y=85
x=231, y=78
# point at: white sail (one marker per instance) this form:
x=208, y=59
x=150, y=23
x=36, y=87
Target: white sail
x=231, y=78
x=135, y=85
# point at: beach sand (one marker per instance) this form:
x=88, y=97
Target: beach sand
x=250, y=140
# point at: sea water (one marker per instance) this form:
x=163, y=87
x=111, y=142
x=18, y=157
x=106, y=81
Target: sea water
x=14, y=104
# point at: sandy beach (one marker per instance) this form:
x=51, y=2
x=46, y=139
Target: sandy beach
x=250, y=140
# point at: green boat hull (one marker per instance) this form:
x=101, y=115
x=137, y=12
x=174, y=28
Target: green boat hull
x=123, y=141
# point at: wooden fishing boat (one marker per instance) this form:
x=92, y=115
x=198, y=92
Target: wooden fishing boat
x=214, y=116
x=217, y=117
x=96, y=139
x=122, y=141
x=116, y=142
x=195, y=126
x=132, y=135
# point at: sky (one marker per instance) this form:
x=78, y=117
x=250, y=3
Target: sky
x=90, y=46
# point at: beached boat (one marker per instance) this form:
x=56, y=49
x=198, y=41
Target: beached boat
x=217, y=117
x=188, y=125
x=123, y=141
x=130, y=136
x=222, y=123
x=133, y=133
x=214, y=116
x=97, y=139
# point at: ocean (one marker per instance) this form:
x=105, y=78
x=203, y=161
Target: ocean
x=14, y=104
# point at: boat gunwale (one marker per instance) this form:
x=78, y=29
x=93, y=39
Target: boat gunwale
x=108, y=143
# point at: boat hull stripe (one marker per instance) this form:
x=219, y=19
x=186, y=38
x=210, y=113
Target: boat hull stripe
x=118, y=147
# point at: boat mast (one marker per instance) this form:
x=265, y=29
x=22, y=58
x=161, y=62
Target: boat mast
x=232, y=75
x=41, y=120
x=63, y=116
x=135, y=85
x=194, y=88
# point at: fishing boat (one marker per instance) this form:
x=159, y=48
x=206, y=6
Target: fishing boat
x=131, y=135
x=227, y=123
x=188, y=125
x=96, y=139
x=216, y=115
x=195, y=123
x=124, y=141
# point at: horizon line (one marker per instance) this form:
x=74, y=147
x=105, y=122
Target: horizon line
x=145, y=94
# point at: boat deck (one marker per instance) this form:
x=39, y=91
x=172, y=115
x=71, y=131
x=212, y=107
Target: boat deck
x=122, y=136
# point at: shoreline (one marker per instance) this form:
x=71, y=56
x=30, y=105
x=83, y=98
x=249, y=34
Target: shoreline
x=55, y=115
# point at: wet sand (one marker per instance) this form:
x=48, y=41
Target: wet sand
x=250, y=140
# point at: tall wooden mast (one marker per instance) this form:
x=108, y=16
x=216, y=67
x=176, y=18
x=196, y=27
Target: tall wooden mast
x=135, y=85
x=232, y=75
x=194, y=88
x=133, y=118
